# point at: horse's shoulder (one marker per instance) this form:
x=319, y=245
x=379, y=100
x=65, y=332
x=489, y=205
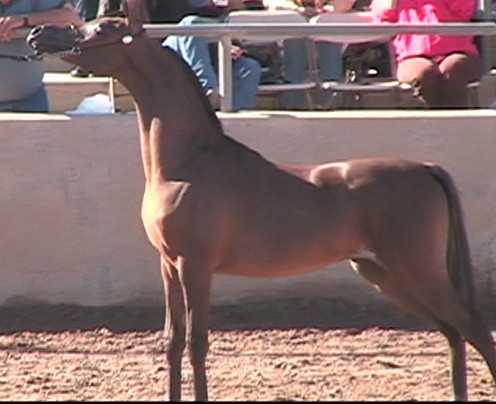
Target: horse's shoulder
x=165, y=197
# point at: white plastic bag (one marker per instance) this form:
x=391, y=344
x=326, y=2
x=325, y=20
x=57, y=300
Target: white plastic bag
x=96, y=104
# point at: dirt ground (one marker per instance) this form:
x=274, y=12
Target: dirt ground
x=299, y=350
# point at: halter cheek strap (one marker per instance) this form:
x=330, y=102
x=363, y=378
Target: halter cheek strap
x=126, y=39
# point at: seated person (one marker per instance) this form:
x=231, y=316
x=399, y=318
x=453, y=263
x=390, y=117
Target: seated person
x=196, y=52
x=21, y=81
x=295, y=51
x=439, y=67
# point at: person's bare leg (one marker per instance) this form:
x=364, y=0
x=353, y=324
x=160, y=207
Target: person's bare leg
x=458, y=70
x=425, y=78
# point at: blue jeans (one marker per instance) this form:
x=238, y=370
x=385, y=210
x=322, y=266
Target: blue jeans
x=195, y=51
x=330, y=66
x=37, y=102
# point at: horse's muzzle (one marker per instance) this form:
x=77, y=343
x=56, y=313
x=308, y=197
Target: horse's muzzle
x=52, y=39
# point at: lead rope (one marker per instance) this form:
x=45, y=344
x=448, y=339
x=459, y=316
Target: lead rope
x=22, y=58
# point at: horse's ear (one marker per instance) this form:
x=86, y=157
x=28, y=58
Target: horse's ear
x=136, y=11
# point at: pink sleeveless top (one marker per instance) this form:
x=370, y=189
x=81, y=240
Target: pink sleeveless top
x=432, y=12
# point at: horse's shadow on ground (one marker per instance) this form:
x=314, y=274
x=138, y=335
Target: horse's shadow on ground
x=320, y=313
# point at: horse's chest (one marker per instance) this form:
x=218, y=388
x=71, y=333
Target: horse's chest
x=160, y=204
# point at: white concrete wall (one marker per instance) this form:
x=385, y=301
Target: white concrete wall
x=70, y=229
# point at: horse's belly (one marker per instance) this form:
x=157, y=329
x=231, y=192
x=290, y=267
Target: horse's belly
x=296, y=242
x=280, y=264
x=273, y=271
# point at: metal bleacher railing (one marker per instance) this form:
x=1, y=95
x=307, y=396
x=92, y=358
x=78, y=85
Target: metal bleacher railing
x=226, y=32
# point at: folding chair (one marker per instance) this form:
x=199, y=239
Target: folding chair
x=358, y=82
x=264, y=17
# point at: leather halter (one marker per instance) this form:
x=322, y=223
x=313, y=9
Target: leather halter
x=75, y=49
x=125, y=39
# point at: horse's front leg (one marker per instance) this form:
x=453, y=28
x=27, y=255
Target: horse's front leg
x=175, y=326
x=196, y=280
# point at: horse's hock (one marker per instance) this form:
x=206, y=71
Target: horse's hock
x=72, y=189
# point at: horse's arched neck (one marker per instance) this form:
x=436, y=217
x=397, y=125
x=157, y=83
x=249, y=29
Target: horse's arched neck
x=174, y=116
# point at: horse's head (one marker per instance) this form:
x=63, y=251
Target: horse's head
x=100, y=46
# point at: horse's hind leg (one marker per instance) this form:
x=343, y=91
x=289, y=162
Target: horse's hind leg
x=466, y=322
x=458, y=361
x=175, y=329
x=444, y=310
x=453, y=317
x=390, y=287
x=379, y=277
x=196, y=281
x=475, y=330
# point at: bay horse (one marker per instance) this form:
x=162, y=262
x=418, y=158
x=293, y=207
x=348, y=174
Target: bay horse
x=213, y=205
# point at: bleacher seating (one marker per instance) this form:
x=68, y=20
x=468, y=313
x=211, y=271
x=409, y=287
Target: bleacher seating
x=67, y=92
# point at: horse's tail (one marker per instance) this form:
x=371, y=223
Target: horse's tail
x=458, y=254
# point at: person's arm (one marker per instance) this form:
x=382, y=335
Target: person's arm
x=334, y=6
x=384, y=10
x=63, y=16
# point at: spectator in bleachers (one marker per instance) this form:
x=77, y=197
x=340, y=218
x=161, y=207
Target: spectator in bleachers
x=295, y=51
x=197, y=52
x=439, y=67
x=21, y=81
